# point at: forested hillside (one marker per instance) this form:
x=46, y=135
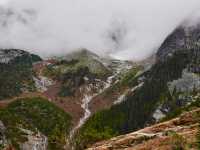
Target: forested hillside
x=16, y=74
x=157, y=93
x=33, y=123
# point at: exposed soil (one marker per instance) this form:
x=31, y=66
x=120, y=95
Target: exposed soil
x=104, y=100
x=72, y=104
x=4, y=103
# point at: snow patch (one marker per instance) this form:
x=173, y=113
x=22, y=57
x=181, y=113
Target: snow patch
x=123, y=96
x=137, y=87
x=42, y=83
x=158, y=114
x=120, y=99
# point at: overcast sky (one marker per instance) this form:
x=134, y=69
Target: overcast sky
x=125, y=29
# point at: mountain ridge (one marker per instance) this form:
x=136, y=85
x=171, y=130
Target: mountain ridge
x=157, y=97
x=103, y=97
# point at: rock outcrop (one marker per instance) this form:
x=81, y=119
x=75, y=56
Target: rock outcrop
x=36, y=141
x=3, y=141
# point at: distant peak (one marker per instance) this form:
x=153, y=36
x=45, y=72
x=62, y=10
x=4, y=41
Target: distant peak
x=81, y=53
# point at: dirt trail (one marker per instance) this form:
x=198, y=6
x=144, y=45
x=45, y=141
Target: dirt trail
x=4, y=103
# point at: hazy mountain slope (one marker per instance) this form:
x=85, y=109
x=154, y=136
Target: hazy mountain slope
x=85, y=58
x=104, y=97
x=16, y=72
x=73, y=82
x=78, y=79
x=157, y=96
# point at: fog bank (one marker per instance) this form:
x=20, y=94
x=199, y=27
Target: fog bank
x=124, y=29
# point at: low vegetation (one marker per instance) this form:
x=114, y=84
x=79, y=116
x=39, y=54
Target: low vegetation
x=198, y=139
x=177, y=142
x=64, y=67
x=72, y=73
x=128, y=79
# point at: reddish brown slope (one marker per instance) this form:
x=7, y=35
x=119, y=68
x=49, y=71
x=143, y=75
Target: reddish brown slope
x=179, y=132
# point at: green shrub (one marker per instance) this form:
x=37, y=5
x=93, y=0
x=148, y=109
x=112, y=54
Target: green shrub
x=177, y=142
x=36, y=114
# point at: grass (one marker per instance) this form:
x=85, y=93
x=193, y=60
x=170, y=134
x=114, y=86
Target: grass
x=177, y=142
x=129, y=77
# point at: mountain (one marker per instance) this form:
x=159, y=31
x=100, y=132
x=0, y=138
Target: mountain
x=16, y=70
x=84, y=58
x=73, y=86
x=172, y=83
x=78, y=78
x=78, y=99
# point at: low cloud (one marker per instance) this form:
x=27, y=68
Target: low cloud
x=124, y=29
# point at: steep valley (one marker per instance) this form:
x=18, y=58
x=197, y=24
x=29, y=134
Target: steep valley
x=75, y=86
x=163, y=90
x=77, y=100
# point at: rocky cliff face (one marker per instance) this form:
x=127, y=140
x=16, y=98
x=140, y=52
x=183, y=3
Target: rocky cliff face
x=11, y=55
x=182, y=40
x=36, y=141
